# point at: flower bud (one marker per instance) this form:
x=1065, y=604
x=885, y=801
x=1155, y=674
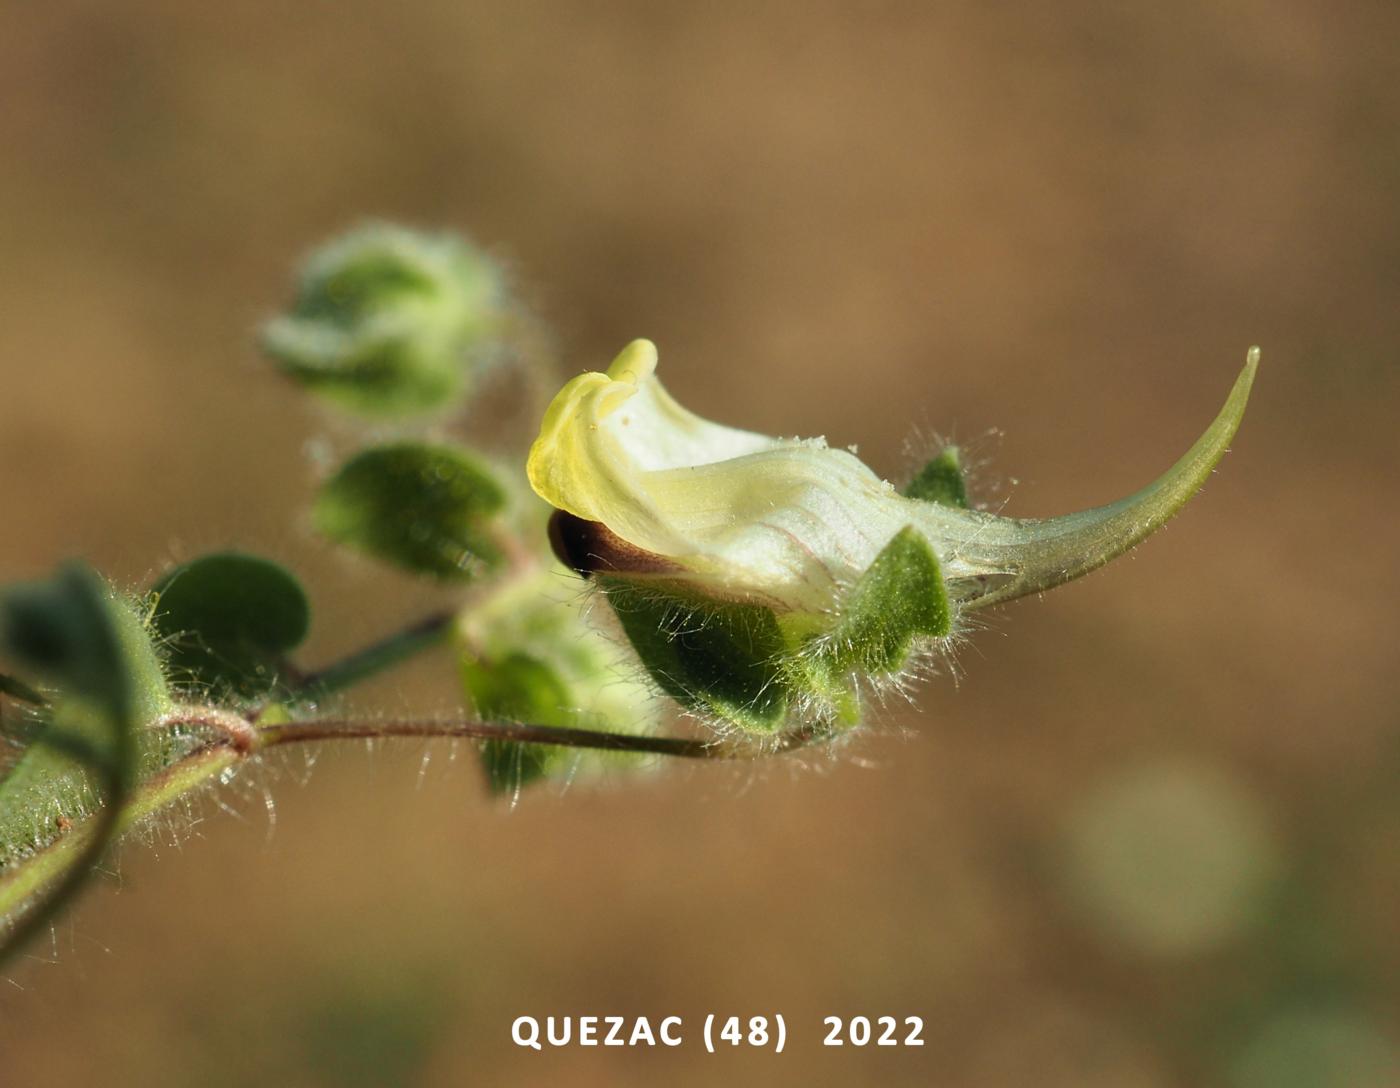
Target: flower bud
x=763, y=581
x=529, y=653
x=389, y=321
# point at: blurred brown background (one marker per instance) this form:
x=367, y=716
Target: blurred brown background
x=1152, y=837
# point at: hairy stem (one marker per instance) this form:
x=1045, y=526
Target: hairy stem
x=67, y=860
x=16, y=688
x=325, y=730
x=375, y=658
x=62, y=874
x=70, y=857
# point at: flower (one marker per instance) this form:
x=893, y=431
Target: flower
x=665, y=506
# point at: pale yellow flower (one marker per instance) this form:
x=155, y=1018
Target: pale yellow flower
x=791, y=522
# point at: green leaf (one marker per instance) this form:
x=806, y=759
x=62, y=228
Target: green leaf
x=61, y=628
x=369, y=272
x=229, y=621
x=517, y=688
x=899, y=598
x=941, y=480
x=424, y=508
x=389, y=321
x=82, y=751
x=380, y=371
x=722, y=659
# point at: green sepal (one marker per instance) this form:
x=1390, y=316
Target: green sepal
x=389, y=321
x=723, y=659
x=229, y=620
x=941, y=481
x=424, y=508
x=900, y=598
x=517, y=688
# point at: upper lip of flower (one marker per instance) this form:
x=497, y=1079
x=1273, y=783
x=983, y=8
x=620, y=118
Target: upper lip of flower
x=790, y=521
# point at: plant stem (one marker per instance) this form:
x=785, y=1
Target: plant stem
x=62, y=868
x=69, y=858
x=324, y=730
x=74, y=854
x=16, y=688
x=374, y=658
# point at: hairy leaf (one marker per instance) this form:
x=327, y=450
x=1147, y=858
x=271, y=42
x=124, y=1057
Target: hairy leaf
x=229, y=620
x=84, y=750
x=60, y=627
x=424, y=508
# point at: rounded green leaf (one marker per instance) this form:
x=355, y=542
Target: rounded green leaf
x=229, y=620
x=424, y=508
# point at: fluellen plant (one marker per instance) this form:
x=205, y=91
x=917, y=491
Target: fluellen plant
x=768, y=590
